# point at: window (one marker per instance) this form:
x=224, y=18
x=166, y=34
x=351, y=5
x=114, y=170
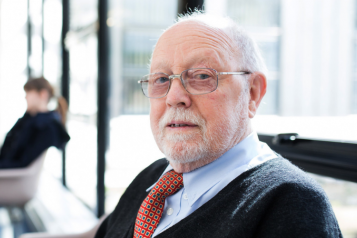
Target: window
x=135, y=26
x=81, y=151
x=262, y=20
x=52, y=68
x=13, y=67
x=308, y=48
x=354, y=88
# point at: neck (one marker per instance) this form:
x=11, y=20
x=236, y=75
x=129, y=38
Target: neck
x=40, y=109
x=190, y=166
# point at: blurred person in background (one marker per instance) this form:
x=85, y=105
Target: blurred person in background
x=38, y=129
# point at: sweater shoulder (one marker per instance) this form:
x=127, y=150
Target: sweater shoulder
x=291, y=195
x=283, y=188
x=280, y=172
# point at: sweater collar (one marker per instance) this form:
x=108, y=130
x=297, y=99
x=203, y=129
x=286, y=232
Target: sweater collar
x=199, y=181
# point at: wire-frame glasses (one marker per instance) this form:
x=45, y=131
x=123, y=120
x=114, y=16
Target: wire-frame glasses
x=196, y=81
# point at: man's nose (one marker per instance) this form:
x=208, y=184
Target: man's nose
x=177, y=95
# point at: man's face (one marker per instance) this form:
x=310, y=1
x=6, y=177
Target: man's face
x=195, y=128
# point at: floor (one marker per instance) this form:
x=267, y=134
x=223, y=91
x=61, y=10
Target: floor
x=12, y=222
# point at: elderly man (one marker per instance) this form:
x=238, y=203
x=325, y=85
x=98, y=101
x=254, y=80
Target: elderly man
x=205, y=84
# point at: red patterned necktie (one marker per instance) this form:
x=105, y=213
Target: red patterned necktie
x=150, y=211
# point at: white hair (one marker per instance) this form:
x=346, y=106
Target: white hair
x=249, y=57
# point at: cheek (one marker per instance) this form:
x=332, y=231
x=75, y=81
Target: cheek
x=156, y=112
x=216, y=102
x=218, y=108
x=213, y=109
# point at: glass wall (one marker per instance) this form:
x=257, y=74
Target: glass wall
x=135, y=27
x=13, y=63
x=317, y=71
x=36, y=46
x=354, y=88
x=81, y=151
x=310, y=51
x=39, y=54
x=52, y=68
x=52, y=26
x=261, y=19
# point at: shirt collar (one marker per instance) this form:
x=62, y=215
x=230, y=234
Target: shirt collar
x=199, y=181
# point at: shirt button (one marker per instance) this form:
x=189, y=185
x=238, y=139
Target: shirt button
x=185, y=196
x=170, y=211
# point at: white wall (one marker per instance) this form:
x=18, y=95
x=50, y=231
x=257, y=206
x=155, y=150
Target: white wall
x=316, y=57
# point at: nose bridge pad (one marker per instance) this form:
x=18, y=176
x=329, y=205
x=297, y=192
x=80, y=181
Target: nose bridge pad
x=178, y=76
x=175, y=76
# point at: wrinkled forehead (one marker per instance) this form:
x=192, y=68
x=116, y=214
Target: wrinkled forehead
x=193, y=38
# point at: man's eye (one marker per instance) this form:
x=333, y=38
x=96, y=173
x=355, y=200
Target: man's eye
x=161, y=80
x=203, y=76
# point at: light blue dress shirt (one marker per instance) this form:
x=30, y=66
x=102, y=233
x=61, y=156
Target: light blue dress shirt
x=204, y=183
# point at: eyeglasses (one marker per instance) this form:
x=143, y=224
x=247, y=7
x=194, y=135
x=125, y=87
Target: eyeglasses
x=196, y=81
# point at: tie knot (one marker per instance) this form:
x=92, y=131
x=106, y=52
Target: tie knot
x=168, y=184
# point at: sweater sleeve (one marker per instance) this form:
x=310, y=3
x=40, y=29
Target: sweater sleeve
x=11, y=138
x=31, y=146
x=299, y=211
x=102, y=230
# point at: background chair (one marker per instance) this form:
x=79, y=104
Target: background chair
x=18, y=186
x=89, y=234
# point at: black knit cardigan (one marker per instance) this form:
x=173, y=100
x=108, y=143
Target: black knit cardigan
x=274, y=199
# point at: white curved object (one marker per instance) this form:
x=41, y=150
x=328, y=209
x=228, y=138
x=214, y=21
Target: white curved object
x=89, y=234
x=18, y=186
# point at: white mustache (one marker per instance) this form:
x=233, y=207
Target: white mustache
x=181, y=114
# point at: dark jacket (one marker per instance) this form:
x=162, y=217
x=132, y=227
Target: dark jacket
x=272, y=200
x=30, y=136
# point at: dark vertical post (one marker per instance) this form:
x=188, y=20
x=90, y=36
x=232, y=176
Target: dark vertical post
x=103, y=112
x=65, y=71
x=189, y=5
x=43, y=37
x=29, y=42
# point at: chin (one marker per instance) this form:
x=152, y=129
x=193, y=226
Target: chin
x=182, y=147
x=184, y=152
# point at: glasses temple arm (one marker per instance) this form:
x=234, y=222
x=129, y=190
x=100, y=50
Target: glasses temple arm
x=235, y=73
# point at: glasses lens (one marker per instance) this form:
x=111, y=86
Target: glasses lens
x=155, y=85
x=200, y=80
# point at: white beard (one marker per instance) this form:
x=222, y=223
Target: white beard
x=187, y=148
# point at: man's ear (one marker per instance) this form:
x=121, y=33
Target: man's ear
x=257, y=90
